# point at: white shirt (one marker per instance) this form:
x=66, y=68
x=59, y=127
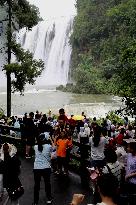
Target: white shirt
x=87, y=131
x=43, y=159
x=122, y=156
x=97, y=153
x=108, y=124
x=115, y=169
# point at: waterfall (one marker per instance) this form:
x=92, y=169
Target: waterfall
x=49, y=41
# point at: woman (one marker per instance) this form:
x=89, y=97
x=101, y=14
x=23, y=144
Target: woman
x=97, y=143
x=112, y=165
x=131, y=169
x=130, y=132
x=108, y=190
x=42, y=167
x=120, y=137
x=11, y=170
x=87, y=129
x=82, y=136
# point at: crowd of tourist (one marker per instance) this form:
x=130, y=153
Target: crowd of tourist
x=112, y=165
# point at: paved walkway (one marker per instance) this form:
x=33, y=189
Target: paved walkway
x=62, y=188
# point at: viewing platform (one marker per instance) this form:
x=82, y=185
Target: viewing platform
x=63, y=188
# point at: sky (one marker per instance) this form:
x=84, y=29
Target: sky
x=55, y=8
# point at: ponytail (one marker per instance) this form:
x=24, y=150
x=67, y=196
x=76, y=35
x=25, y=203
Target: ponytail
x=40, y=147
x=6, y=151
x=97, y=136
x=96, y=140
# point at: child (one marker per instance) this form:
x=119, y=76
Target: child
x=62, y=146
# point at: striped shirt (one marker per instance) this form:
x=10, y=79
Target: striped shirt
x=115, y=169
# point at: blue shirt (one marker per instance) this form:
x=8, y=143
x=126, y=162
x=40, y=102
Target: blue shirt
x=43, y=159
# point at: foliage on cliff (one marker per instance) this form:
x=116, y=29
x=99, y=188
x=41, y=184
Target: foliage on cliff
x=104, y=47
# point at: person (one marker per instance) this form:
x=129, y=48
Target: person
x=108, y=126
x=62, y=145
x=131, y=168
x=119, y=138
x=62, y=116
x=42, y=167
x=11, y=169
x=37, y=115
x=108, y=190
x=112, y=165
x=114, y=132
x=104, y=128
x=42, y=125
x=72, y=123
x=97, y=143
x=80, y=124
x=50, y=114
x=77, y=199
x=82, y=136
x=130, y=133
x=121, y=152
x=25, y=118
x=87, y=129
x=29, y=134
x=1, y=175
x=126, y=121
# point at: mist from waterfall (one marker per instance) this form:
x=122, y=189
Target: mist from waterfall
x=49, y=41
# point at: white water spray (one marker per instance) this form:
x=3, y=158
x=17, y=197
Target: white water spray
x=49, y=41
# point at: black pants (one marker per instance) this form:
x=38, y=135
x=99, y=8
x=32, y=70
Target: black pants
x=45, y=173
x=62, y=163
x=128, y=194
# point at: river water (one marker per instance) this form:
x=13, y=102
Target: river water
x=44, y=99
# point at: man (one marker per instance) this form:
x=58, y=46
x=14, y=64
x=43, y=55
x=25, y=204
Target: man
x=108, y=190
x=30, y=132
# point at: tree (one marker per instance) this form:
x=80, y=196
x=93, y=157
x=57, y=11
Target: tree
x=26, y=69
x=127, y=78
x=105, y=32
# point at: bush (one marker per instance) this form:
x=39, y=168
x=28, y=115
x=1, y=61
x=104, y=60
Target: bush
x=115, y=118
x=1, y=112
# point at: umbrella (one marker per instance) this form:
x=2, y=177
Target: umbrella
x=78, y=117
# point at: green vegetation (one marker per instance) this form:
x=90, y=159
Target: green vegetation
x=1, y=112
x=26, y=69
x=115, y=118
x=104, y=49
x=20, y=14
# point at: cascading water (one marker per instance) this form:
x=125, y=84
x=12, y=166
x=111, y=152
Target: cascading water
x=49, y=41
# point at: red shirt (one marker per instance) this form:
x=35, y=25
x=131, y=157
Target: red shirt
x=72, y=122
x=119, y=139
x=63, y=117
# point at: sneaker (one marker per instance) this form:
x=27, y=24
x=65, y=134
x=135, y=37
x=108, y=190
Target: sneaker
x=65, y=173
x=57, y=172
x=28, y=156
x=49, y=201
